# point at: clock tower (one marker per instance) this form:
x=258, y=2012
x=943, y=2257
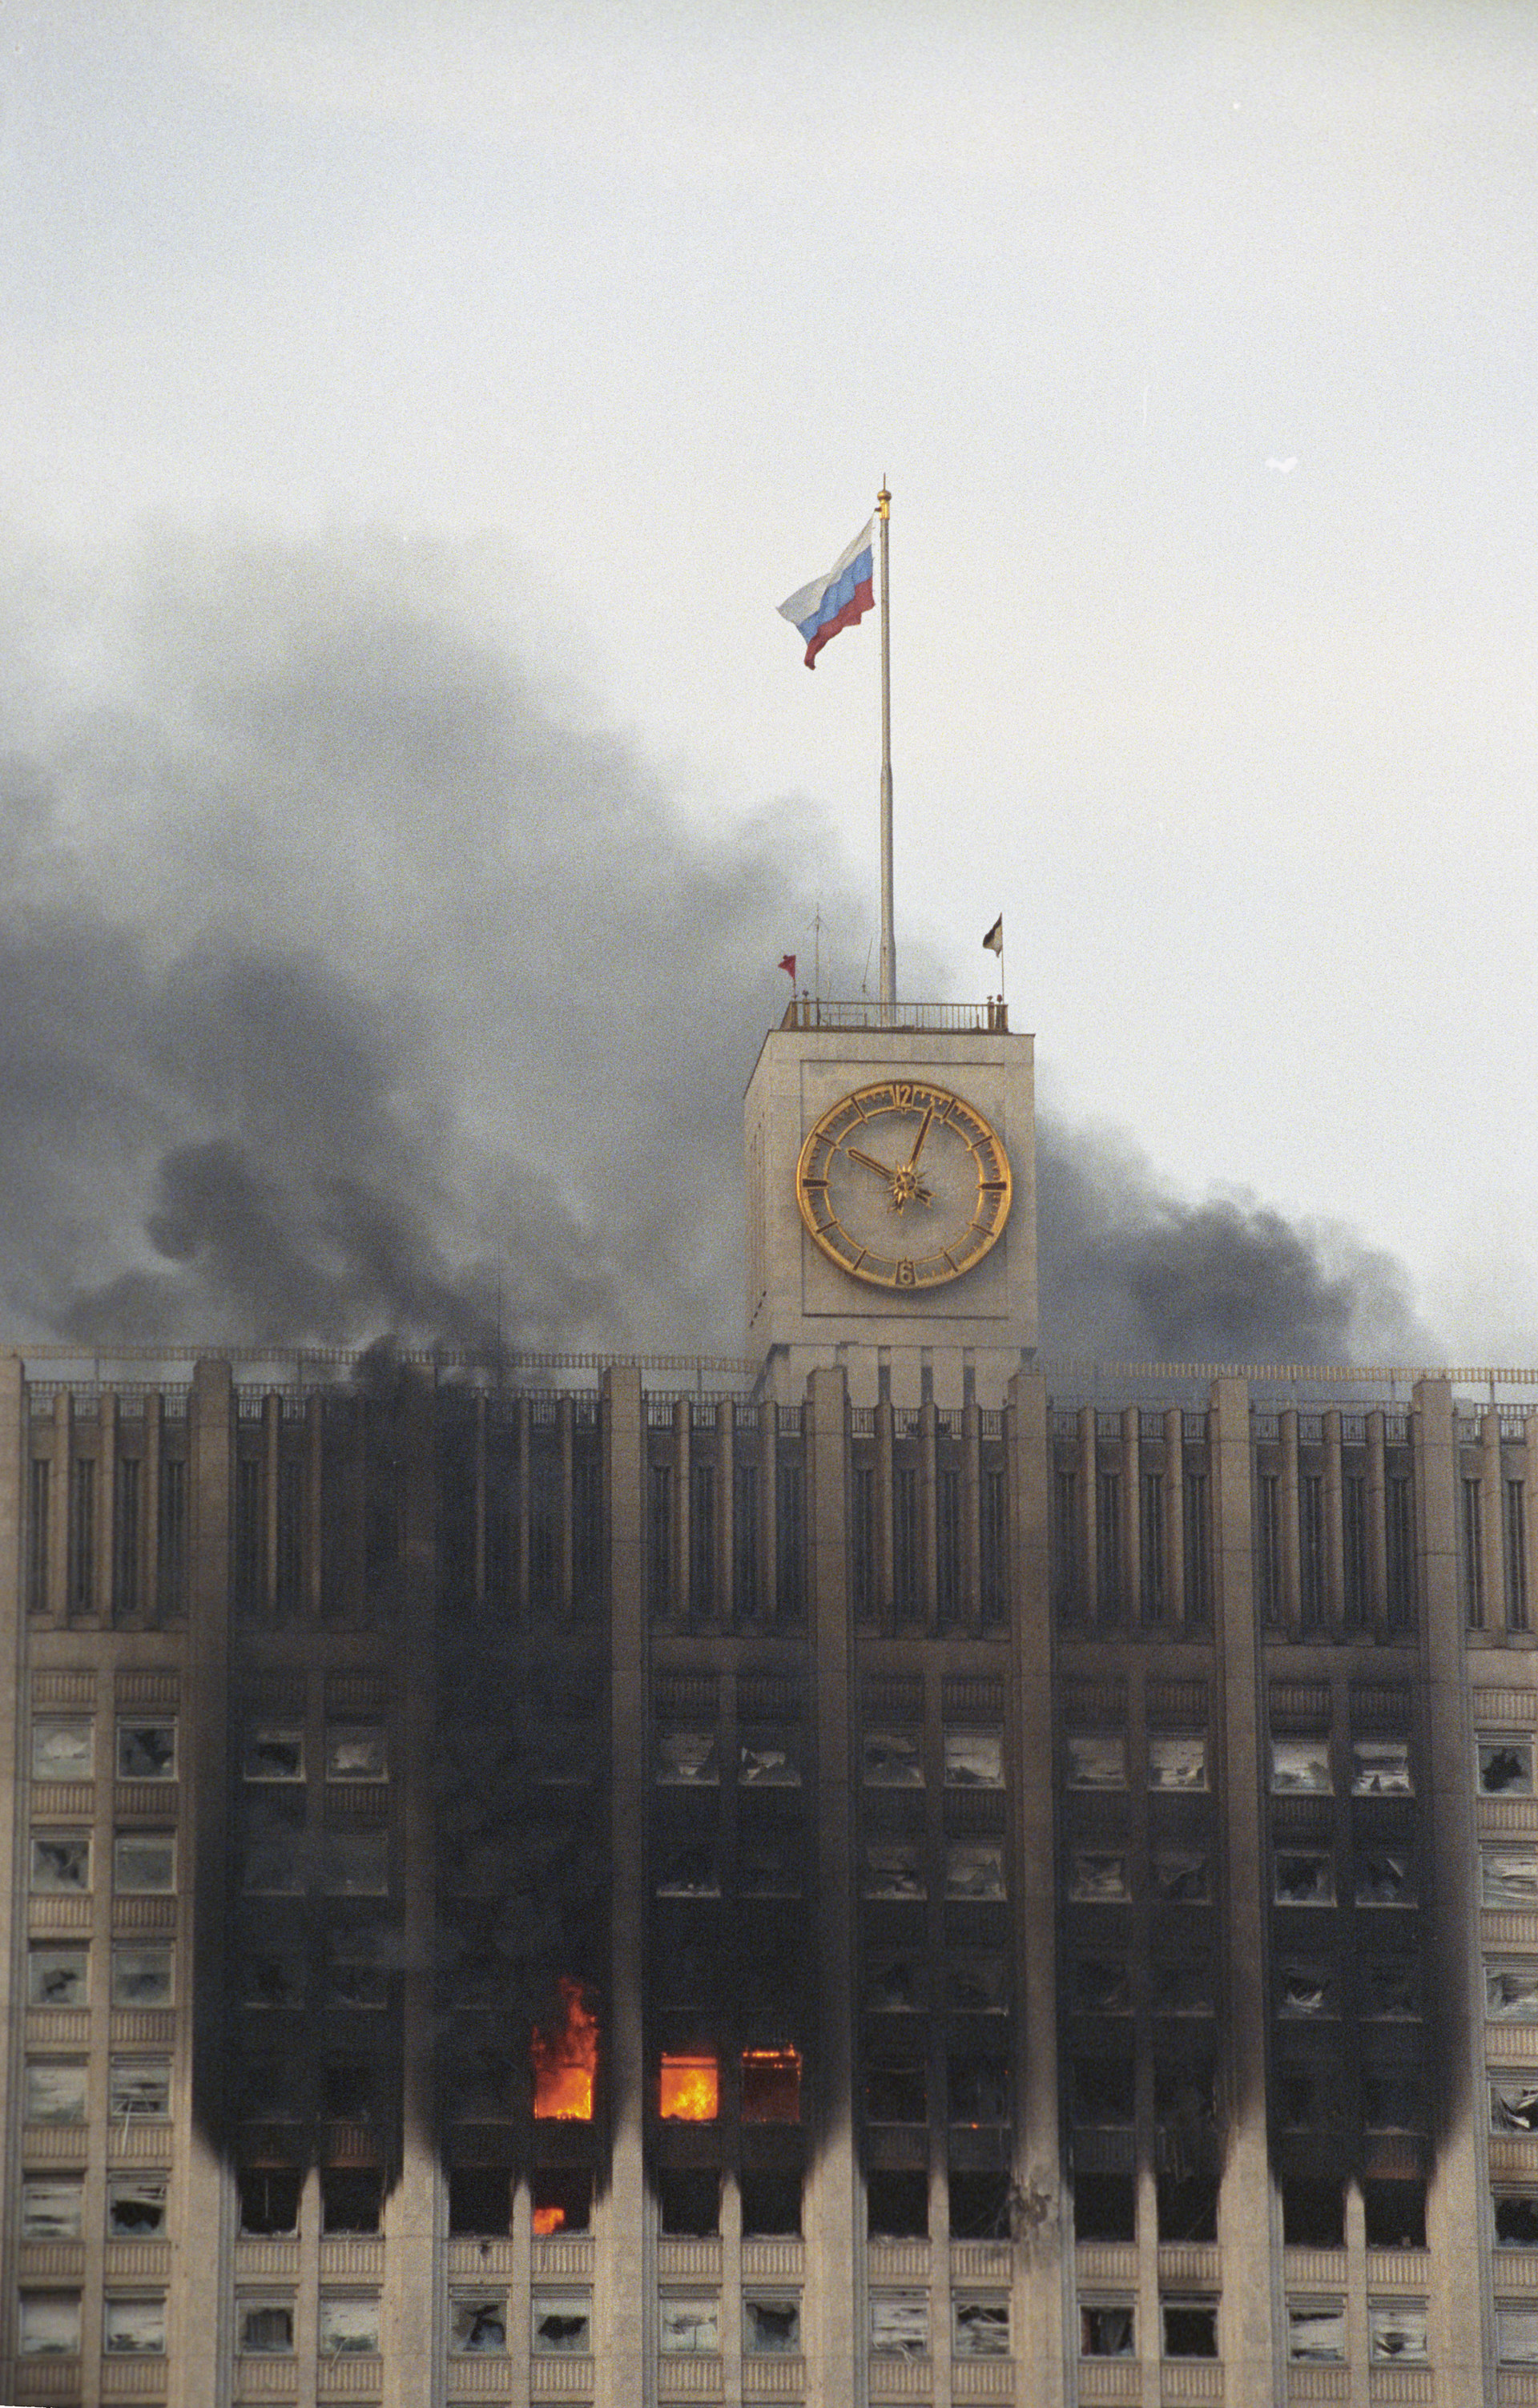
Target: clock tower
x=891, y=1191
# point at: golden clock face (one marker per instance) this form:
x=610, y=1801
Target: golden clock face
x=904, y=1185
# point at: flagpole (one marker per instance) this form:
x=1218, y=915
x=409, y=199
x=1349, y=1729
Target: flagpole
x=889, y=943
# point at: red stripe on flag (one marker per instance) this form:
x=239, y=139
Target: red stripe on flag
x=860, y=601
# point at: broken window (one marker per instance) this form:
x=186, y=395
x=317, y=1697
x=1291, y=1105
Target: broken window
x=1304, y=1877
x=144, y=1862
x=274, y=1751
x=978, y=2090
x=977, y=1986
x=562, y=2198
x=897, y=2205
x=689, y=2327
x=1508, y=1877
x=1098, y=1877
x=1180, y=1874
x=688, y=1870
x=980, y=2206
x=1190, y=2328
x=899, y=2324
x=1306, y=2097
x=1385, y=1877
x=50, y=2325
x=55, y=2090
x=1396, y=2332
x=1510, y=1994
x=893, y=1872
x=561, y=2324
x=1184, y=2205
x=1104, y=2207
x=1312, y=2214
x=269, y=2199
x=895, y=2094
x=1391, y=1989
x=1380, y=1767
x=147, y=1751
x=1516, y=2219
x=139, y=2087
x=135, y=2206
x=51, y=2207
x=1505, y=1768
x=1177, y=1763
x=894, y=1985
x=134, y=2328
x=349, y=2325
x=141, y=1977
x=1513, y=2104
x=689, y=2201
x=760, y=1767
x=272, y=1853
x=894, y=1759
x=980, y=2323
x=772, y=2205
x=264, y=2328
x=356, y=1864
x=1517, y=2336
x=350, y=2198
x=1096, y=1760
x=687, y=1755
x=771, y=2086
x=1102, y=1986
x=478, y=2323
x=974, y=1759
x=63, y=1747
x=689, y=2089
x=771, y=2324
x=1395, y=2213
x=1183, y=1990
x=1101, y=2089
x=60, y=1863
x=973, y=1870
x=1300, y=1764
x=480, y=2201
x=768, y=1866
x=1105, y=2329
x=355, y=1751
x=354, y=1975
x=58, y=1977
x=1393, y=2098
x=1315, y=2332
x=1306, y=1989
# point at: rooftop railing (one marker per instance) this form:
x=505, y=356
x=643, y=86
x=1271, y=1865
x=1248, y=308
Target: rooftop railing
x=900, y=1019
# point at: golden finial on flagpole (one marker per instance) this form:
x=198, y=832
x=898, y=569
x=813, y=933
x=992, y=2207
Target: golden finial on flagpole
x=884, y=499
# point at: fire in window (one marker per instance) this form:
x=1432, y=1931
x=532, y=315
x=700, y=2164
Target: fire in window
x=564, y=2058
x=562, y=2200
x=771, y=2086
x=689, y=2089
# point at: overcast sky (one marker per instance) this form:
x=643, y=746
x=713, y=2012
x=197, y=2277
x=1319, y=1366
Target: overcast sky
x=1196, y=345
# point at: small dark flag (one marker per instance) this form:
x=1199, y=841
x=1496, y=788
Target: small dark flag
x=787, y=963
x=994, y=941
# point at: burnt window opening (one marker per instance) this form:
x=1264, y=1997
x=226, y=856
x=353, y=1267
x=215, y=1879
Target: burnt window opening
x=862, y=1541
x=1108, y=1601
x=1396, y=2215
x=457, y=1516
x=897, y=2205
x=544, y=1517
x=1311, y=1550
x=948, y=1545
x=1190, y=2328
x=1312, y=2214
x=745, y=1537
x=1106, y=2207
x=1065, y=1545
x=248, y=1535
x=978, y=2088
x=895, y=2094
x=501, y=1565
x=771, y=2206
x=480, y=2203
x=689, y=2201
x=702, y=1539
x=905, y=1591
x=127, y=1539
x=1100, y=2089
x=173, y=1536
x=562, y=2200
x=37, y=1571
x=1400, y=1552
x=1268, y=1548
x=1199, y=1570
x=351, y=2198
x=269, y=2199
x=1472, y=1556
x=289, y=1568
x=1353, y=1547
x=659, y=1535
x=347, y=2095
x=991, y=1549
x=1106, y=2330
x=1185, y=2206
x=790, y=1543
x=980, y=2206
x=586, y=1536
x=1515, y=1538
x=1516, y=2216
x=1151, y=1546
x=82, y=1536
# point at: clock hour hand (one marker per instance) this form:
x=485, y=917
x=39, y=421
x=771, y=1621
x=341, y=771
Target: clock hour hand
x=869, y=1162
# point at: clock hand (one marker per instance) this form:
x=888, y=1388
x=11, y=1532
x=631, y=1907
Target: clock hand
x=869, y=1161
x=923, y=1133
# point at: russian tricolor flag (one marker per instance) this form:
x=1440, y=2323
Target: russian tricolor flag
x=840, y=600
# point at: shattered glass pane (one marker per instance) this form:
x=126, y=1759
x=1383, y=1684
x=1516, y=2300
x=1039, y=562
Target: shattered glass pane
x=1380, y=1767
x=899, y=2324
x=1304, y=1877
x=1098, y=1876
x=62, y=1747
x=1177, y=1763
x=274, y=1751
x=60, y=1864
x=974, y=1759
x=1505, y=1768
x=771, y=2324
x=1300, y=1764
x=562, y=2324
x=687, y=1755
x=1509, y=1877
x=975, y=1871
x=147, y=1751
x=1510, y=1994
x=980, y=2326
x=478, y=2323
x=1097, y=1761
x=55, y=2091
x=58, y=1977
x=689, y=2327
x=1385, y=1877
x=1513, y=2104
x=893, y=1872
x=1316, y=2334
x=893, y=1760
x=1180, y=1875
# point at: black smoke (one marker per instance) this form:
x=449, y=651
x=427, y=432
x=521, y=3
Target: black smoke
x=357, y=981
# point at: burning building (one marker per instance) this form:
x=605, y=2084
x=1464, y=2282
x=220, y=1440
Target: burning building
x=886, y=1869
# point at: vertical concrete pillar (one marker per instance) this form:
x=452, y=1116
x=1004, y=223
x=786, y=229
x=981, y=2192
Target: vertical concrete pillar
x=1044, y=2270
x=106, y=1500
x=1088, y=1600
x=479, y=1505
x=1174, y=1513
x=623, y=2319
x=522, y=1479
x=928, y=1580
x=1131, y=1514
x=1245, y=2206
x=726, y=1513
x=1334, y=1582
x=1292, y=1604
x=15, y=1770
x=682, y=1550
x=1491, y=1528
x=1377, y=1521
x=58, y=1506
x=566, y=1435
x=272, y=1440
x=1530, y=1514
x=202, y=2207
x=885, y=1540
x=972, y=1519
x=1453, y=2213
x=837, y=2314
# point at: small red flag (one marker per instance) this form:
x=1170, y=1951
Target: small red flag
x=787, y=963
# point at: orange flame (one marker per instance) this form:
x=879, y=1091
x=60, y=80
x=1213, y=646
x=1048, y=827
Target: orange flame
x=771, y=2086
x=690, y=2089
x=565, y=2062
x=548, y=2220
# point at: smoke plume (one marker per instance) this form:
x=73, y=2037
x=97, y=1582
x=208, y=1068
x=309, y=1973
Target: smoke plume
x=356, y=984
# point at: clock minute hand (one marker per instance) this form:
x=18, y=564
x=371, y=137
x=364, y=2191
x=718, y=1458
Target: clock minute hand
x=923, y=1133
